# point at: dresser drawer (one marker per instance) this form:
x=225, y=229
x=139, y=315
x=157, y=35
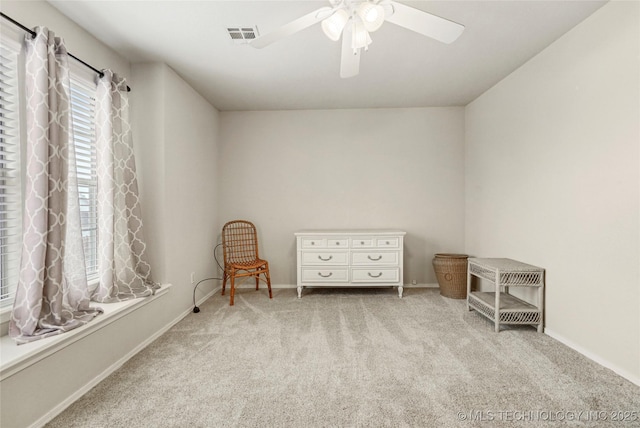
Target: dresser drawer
x=337, y=243
x=387, y=242
x=319, y=258
x=387, y=275
x=313, y=242
x=375, y=258
x=325, y=275
x=363, y=242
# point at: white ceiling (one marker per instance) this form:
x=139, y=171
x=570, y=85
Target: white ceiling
x=401, y=68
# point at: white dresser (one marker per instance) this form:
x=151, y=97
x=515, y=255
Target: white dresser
x=350, y=258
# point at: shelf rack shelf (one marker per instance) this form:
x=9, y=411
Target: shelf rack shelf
x=499, y=305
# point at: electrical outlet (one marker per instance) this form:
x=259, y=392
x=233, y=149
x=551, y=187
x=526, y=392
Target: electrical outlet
x=413, y=282
x=193, y=277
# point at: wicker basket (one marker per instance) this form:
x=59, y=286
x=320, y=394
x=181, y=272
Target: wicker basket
x=451, y=271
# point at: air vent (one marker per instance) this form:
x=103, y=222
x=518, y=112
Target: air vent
x=241, y=35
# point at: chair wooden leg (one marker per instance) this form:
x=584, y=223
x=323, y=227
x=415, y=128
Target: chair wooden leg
x=266, y=273
x=224, y=281
x=257, y=281
x=232, y=292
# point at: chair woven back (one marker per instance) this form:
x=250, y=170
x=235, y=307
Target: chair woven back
x=239, y=242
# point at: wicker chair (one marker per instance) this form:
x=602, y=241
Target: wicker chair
x=241, y=259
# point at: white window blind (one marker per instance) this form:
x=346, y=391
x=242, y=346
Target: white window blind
x=10, y=178
x=83, y=106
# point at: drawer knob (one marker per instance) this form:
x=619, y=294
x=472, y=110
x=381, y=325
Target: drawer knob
x=337, y=243
x=325, y=260
x=327, y=275
x=374, y=276
x=313, y=243
x=387, y=243
x=374, y=260
x=361, y=242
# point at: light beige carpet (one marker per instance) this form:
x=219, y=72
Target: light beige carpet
x=352, y=358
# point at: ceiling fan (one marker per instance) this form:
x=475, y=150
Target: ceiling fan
x=354, y=20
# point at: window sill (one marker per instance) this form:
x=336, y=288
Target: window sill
x=5, y=313
x=16, y=358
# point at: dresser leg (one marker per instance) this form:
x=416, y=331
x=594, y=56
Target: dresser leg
x=400, y=290
x=299, y=292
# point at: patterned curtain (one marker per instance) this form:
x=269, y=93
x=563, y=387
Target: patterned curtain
x=124, y=272
x=52, y=294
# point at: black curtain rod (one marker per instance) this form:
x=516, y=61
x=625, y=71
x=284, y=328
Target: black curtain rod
x=33, y=36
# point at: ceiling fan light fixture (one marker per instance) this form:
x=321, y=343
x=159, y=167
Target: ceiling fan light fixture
x=361, y=37
x=372, y=15
x=333, y=25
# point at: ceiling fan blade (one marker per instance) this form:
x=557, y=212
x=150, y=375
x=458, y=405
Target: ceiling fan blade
x=292, y=27
x=350, y=62
x=424, y=23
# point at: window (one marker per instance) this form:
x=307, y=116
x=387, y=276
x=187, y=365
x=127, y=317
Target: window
x=10, y=181
x=83, y=93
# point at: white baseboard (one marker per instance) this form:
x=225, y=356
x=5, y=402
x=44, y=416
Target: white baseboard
x=427, y=285
x=596, y=358
x=248, y=285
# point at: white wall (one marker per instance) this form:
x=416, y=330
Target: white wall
x=552, y=179
x=379, y=168
x=177, y=133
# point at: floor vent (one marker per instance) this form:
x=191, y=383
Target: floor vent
x=241, y=35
